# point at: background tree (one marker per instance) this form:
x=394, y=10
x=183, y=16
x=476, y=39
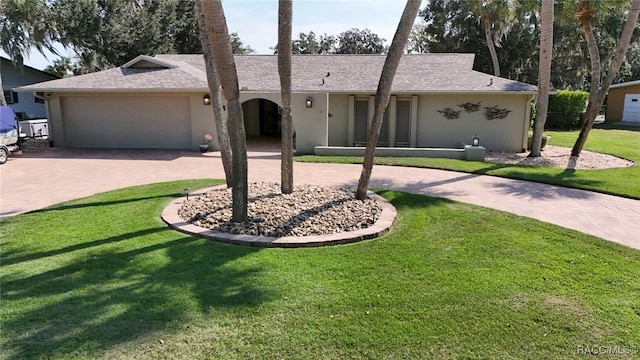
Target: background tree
x=239, y=47
x=544, y=75
x=285, y=14
x=220, y=118
x=586, y=11
x=356, y=41
x=219, y=38
x=496, y=17
x=25, y=24
x=309, y=44
x=453, y=26
x=113, y=32
x=62, y=67
x=384, y=91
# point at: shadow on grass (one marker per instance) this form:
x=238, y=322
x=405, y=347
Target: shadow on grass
x=11, y=259
x=403, y=200
x=102, y=203
x=102, y=293
x=105, y=300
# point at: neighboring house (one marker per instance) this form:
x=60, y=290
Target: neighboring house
x=25, y=105
x=623, y=102
x=159, y=102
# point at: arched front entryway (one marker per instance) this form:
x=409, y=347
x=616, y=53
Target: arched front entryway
x=262, y=117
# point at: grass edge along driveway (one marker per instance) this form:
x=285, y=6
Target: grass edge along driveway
x=624, y=143
x=104, y=277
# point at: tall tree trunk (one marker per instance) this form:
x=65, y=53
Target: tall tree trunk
x=599, y=91
x=486, y=24
x=226, y=67
x=285, y=15
x=3, y=101
x=384, y=91
x=544, y=75
x=216, y=95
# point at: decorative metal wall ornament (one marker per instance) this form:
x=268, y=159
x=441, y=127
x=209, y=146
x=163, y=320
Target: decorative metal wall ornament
x=449, y=113
x=493, y=112
x=470, y=107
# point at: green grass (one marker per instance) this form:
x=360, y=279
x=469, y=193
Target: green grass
x=103, y=277
x=621, y=181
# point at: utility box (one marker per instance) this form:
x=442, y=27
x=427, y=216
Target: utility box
x=475, y=153
x=36, y=128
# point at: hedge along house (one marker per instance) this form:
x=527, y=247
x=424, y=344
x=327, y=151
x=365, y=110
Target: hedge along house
x=437, y=101
x=623, y=103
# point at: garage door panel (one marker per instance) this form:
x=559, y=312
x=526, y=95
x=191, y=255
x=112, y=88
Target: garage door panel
x=631, y=112
x=127, y=122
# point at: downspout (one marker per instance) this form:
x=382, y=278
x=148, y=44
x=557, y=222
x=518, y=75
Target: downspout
x=42, y=96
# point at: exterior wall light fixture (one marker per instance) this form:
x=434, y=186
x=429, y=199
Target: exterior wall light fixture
x=475, y=140
x=206, y=100
x=309, y=102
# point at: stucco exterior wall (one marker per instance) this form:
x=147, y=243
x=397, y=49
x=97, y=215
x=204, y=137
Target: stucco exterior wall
x=615, y=102
x=309, y=124
x=508, y=134
x=432, y=129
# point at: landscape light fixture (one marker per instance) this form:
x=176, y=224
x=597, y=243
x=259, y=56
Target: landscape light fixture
x=187, y=191
x=475, y=140
x=309, y=102
x=206, y=100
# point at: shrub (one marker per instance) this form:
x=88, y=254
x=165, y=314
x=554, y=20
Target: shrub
x=566, y=110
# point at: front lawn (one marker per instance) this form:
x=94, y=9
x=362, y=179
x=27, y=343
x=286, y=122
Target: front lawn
x=622, y=181
x=103, y=277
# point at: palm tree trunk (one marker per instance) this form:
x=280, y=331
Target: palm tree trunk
x=597, y=95
x=544, y=75
x=492, y=47
x=226, y=67
x=285, y=14
x=216, y=95
x=384, y=91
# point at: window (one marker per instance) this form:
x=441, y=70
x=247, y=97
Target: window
x=38, y=100
x=361, y=124
x=403, y=122
x=361, y=121
x=10, y=96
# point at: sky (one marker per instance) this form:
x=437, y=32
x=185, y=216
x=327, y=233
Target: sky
x=256, y=21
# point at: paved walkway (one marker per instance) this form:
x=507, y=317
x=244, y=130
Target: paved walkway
x=36, y=180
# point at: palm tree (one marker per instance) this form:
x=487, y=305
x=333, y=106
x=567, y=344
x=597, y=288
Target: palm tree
x=496, y=17
x=222, y=131
x=544, y=75
x=219, y=39
x=586, y=12
x=384, y=91
x=285, y=14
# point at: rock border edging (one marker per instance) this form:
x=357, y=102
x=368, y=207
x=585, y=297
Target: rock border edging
x=384, y=223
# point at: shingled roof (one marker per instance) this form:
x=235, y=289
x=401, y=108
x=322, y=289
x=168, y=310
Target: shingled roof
x=417, y=73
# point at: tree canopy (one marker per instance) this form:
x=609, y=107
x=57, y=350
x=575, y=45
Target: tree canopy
x=452, y=26
x=110, y=32
x=352, y=41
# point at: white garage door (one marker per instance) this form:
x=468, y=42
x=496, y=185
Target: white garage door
x=631, y=112
x=127, y=122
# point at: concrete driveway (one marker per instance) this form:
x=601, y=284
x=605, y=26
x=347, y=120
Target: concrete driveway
x=35, y=180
